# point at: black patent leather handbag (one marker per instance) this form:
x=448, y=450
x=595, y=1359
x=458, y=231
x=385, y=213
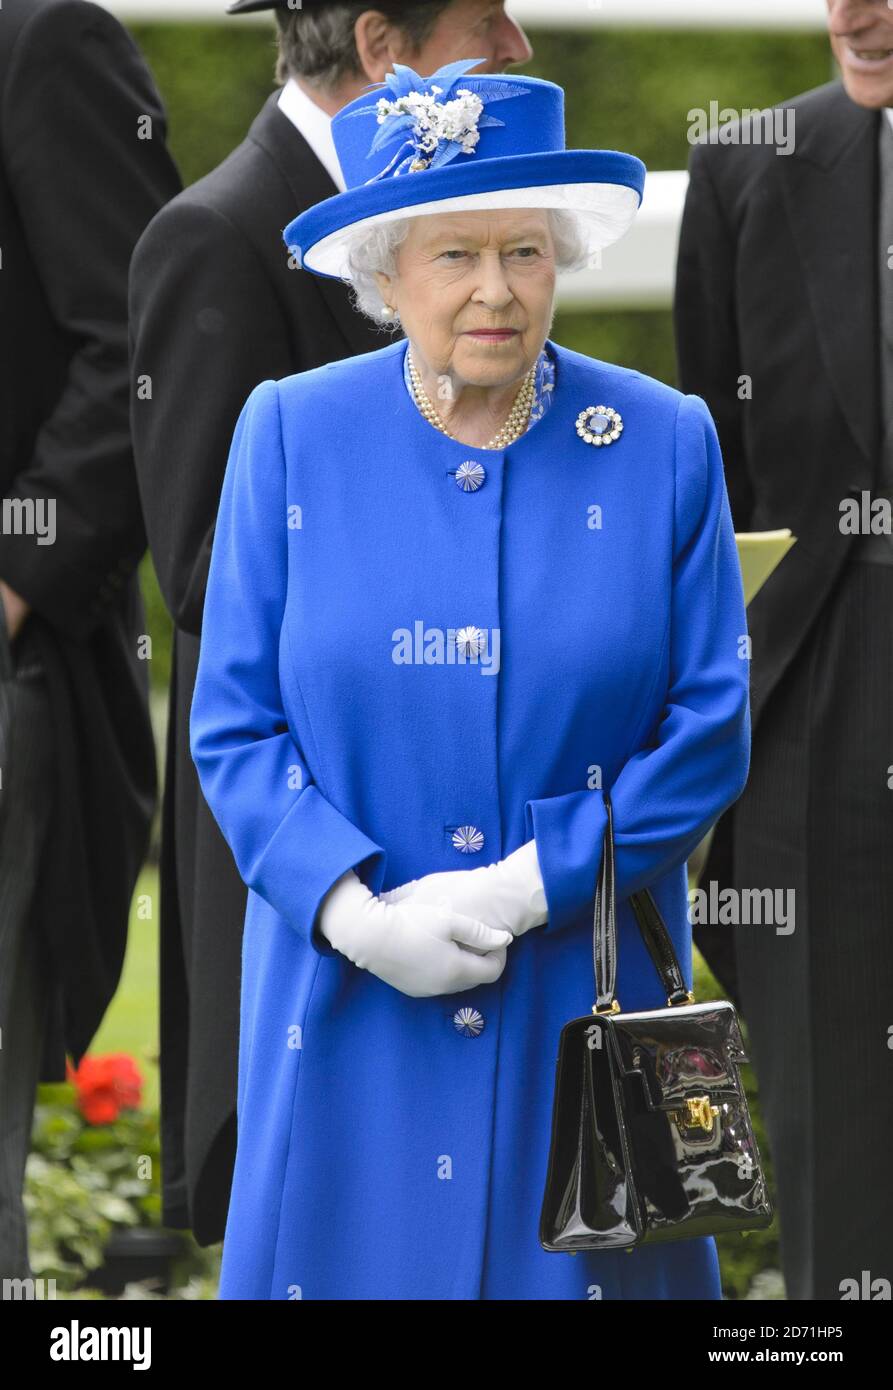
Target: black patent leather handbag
x=651, y=1133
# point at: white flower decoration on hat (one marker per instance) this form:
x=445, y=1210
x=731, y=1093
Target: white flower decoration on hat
x=433, y=125
x=435, y=121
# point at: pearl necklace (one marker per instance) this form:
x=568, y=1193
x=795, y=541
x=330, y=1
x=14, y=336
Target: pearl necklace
x=514, y=426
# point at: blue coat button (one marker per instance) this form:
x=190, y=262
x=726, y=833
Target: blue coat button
x=468, y=1022
x=470, y=475
x=470, y=641
x=468, y=839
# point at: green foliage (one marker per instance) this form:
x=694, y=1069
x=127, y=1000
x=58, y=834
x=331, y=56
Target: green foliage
x=627, y=89
x=83, y=1182
x=67, y=1231
x=158, y=625
x=213, y=79
x=642, y=340
x=632, y=89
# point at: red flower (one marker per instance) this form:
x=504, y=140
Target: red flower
x=105, y=1086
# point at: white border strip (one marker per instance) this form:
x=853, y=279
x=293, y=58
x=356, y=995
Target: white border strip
x=808, y=15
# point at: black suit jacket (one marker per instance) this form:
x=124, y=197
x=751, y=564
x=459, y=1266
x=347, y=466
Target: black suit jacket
x=215, y=309
x=776, y=281
x=77, y=186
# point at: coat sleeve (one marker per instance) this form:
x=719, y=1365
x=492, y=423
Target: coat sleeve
x=289, y=842
x=706, y=327
x=84, y=184
x=696, y=760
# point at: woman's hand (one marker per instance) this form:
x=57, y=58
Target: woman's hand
x=508, y=895
x=419, y=949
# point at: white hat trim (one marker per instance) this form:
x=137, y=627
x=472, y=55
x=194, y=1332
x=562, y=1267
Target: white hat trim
x=605, y=212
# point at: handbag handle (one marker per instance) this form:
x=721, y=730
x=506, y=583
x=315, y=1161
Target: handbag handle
x=650, y=923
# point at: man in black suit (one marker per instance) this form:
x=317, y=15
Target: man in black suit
x=83, y=167
x=216, y=307
x=784, y=324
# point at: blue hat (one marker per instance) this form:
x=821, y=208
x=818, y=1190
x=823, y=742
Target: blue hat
x=447, y=143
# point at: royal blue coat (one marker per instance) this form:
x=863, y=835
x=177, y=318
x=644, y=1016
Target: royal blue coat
x=382, y=1152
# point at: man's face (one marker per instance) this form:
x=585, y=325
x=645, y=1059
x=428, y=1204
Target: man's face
x=472, y=29
x=862, y=40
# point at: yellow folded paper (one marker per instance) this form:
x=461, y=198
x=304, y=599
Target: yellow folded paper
x=759, y=552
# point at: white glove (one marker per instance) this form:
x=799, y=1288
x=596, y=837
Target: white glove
x=509, y=894
x=419, y=949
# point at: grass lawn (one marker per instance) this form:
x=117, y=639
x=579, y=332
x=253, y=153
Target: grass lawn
x=131, y=1023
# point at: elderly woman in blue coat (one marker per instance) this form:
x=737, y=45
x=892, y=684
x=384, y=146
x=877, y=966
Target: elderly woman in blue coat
x=458, y=586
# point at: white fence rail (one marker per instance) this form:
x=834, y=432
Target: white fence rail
x=553, y=14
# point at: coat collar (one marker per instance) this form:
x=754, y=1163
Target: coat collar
x=830, y=187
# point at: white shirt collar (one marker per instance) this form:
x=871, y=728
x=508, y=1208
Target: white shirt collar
x=888, y=111
x=314, y=124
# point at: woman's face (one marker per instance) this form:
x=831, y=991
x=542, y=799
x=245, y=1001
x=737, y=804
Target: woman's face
x=475, y=293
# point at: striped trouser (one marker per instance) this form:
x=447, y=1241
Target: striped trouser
x=26, y=789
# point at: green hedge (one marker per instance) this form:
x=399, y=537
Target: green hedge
x=626, y=89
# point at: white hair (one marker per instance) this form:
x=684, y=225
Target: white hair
x=375, y=249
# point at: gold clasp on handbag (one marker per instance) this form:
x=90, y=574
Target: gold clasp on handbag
x=698, y=1113
x=613, y=1008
